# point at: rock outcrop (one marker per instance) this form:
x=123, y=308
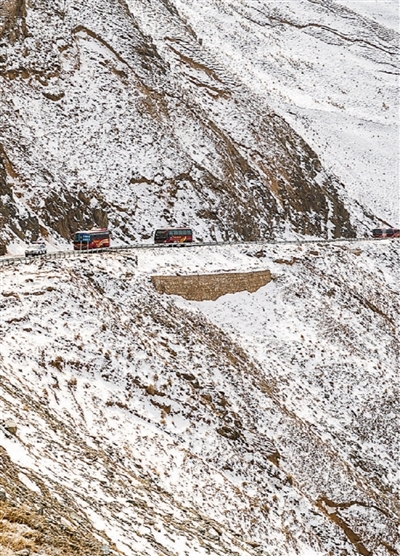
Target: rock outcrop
x=200, y=287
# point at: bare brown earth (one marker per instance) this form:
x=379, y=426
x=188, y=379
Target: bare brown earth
x=38, y=522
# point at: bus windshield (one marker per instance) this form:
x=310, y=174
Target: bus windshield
x=161, y=234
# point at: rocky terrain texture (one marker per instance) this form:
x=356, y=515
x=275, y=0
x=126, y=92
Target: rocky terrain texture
x=139, y=114
x=201, y=287
x=136, y=422
x=330, y=68
x=260, y=423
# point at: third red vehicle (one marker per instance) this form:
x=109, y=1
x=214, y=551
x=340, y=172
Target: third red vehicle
x=385, y=233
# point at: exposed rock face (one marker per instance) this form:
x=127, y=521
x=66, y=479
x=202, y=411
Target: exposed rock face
x=15, y=219
x=211, y=286
x=10, y=426
x=106, y=124
x=66, y=213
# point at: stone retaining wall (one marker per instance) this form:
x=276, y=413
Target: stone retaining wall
x=201, y=287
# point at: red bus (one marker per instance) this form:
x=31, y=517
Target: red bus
x=91, y=239
x=173, y=235
x=386, y=233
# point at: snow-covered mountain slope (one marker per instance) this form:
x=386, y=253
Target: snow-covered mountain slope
x=261, y=423
x=258, y=424
x=331, y=69
x=138, y=114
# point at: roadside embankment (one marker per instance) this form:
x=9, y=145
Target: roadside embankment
x=202, y=287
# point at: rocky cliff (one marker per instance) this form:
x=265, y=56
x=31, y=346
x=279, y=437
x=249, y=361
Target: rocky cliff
x=118, y=114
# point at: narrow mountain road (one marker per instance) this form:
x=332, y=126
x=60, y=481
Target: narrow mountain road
x=8, y=261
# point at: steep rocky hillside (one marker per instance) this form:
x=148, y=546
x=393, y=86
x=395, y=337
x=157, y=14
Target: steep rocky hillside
x=331, y=69
x=261, y=423
x=133, y=422
x=138, y=114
